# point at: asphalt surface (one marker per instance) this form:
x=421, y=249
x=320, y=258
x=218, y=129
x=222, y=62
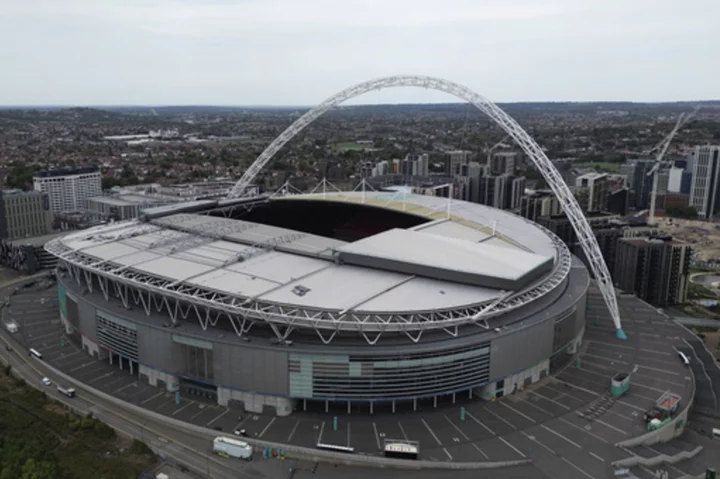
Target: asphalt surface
x=541, y=423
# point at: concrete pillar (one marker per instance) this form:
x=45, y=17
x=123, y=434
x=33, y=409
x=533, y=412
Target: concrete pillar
x=371, y=407
x=304, y=404
x=131, y=368
x=434, y=401
x=326, y=405
x=348, y=407
x=453, y=398
x=110, y=356
x=470, y=395
x=120, y=362
x=414, y=404
x=393, y=406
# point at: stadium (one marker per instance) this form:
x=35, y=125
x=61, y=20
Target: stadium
x=363, y=299
x=357, y=300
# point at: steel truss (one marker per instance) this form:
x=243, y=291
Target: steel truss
x=180, y=299
x=503, y=120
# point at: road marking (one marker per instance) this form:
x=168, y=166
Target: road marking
x=80, y=367
x=448, y=454
x=266, y=427
x=501, y=418
x=153, y=397
x=575, y=386
x=432, y=433
x=540, y=443
x=377, y=437
x=573, y=465
x=293, y=430
x=348, y=434
x=512, y=447
x=479, y=422
x=631, y=405
x=583, y=430
x=322, y=428
x=504, y=403
x=480, y=450
x=560, y=436
x=631, y=348
x=611, y=427
x=551, y=400
x=457, y=428
x=597, y=457
x=219, y=416
x=202, y=410
x=125, y=387
x=529, y=403
x=664, y=371
x=403, y=431
x=188, y=404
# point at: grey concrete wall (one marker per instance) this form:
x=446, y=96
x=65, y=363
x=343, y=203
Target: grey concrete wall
x=155, y=348
x=520, y=349
x=251, y=369
x=86, y=314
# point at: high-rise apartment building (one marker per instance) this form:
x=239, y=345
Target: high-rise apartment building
x=655, y=269
x=540, y=203
x=706, y=173
x=593, y=189
x=503, y=162
x=68, y=189
x=24, y=214
x=455, y=161
x=503, y=192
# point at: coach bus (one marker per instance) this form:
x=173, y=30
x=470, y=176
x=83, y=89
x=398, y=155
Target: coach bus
x=36, y=353
x=402, y=449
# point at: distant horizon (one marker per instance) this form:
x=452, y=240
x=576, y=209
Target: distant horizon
x=278, y=106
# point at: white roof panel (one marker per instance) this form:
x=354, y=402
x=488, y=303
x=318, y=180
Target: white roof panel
x=108, y=251
x=233, y=283
x=215, y=253
x=173, y=268
x=279, y=267
x=452, y=229
x=338, y=287
x=424, y=294
x=137, y=258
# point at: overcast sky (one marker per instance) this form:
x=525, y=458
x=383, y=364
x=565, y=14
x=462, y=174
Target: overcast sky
x=298, y=52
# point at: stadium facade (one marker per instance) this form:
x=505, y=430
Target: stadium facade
x=354, y=299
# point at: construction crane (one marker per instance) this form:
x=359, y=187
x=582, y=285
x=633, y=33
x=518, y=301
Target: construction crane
x=663, y=147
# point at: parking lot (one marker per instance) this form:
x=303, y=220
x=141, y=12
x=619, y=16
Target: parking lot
x=541, y=423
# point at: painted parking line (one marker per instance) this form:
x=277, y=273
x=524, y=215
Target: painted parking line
x=551, y=400
x=585, y=473
x=448, y=454
x=479, y=422
x=83, y=366
x=610, y=426
x=403, y=431
x=597, y=457
x=125, y=387
x=512, y=447
x=480, y=450
x=219, y=416
x=153, y=397
x=106, y=375
x=348, y=434
x=582, y=429
x=266, y=427
x=377, y=437
x=322, y=428
x=292, y=433
x=457, y=428
x=530, y=403
x=539, y=443
x=432, y=433
x=560, y=436
x=501, y=418
x=190, y=403
x=505, y=403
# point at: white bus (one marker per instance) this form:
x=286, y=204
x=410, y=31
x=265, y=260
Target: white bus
x=684, y=358
x=36, y=353
x=229, y=447
x=335, y=447
x=402, y=449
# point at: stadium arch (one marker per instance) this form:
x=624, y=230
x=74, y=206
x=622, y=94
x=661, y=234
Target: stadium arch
x=558, y=186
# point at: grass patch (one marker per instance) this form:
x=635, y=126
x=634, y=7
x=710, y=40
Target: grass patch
x=41, y=440
x=601, y=166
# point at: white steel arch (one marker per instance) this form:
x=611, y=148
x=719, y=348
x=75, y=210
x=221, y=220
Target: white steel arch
x=502, y=119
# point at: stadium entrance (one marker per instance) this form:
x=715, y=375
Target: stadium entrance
x=203, y=391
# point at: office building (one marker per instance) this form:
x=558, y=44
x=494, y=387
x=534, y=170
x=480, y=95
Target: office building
x=121, y=207
x=704, y=190
x=679, y=181
x=655, y=269
x=24, y=214
x=592, y=192
x=617, y=202
x=68, y=189
x=639, y=182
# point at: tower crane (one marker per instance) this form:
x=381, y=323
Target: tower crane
x=662, y=147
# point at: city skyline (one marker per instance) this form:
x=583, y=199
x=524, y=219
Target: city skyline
x=185, y=52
